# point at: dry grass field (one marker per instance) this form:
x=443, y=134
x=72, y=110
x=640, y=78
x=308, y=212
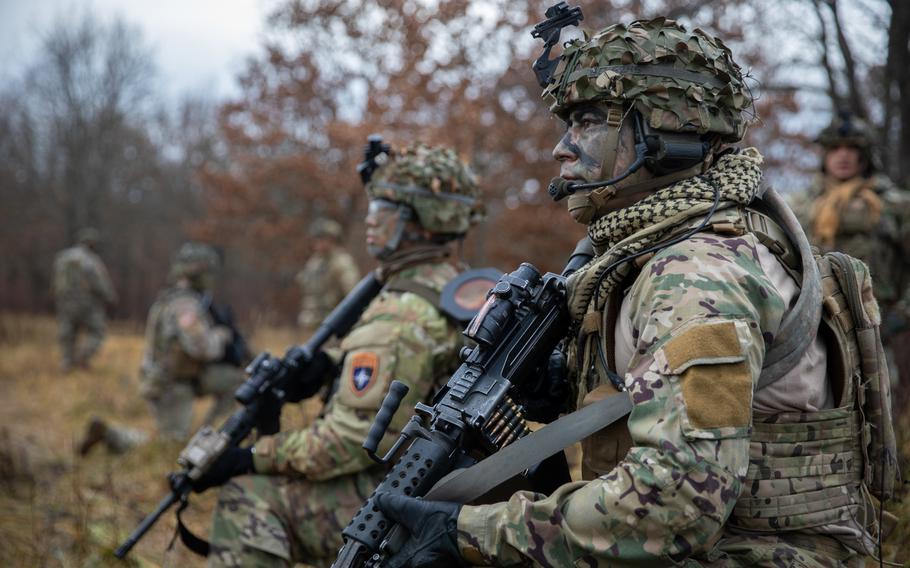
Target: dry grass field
x=58, y=509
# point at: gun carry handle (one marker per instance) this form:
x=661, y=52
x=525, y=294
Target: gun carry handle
x=390, y=404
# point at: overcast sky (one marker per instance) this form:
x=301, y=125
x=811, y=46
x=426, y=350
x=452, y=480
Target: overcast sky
x=198, y=45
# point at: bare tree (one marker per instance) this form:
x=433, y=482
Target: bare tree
x=91, y=83
x=896, y=93
x=84, y=142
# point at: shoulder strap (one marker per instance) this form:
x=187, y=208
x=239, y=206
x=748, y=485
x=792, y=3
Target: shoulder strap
x=197, y=545
x=800, y=324
x=465, y=485
x=409, y=285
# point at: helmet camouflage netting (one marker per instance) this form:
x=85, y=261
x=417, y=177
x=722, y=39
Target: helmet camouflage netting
x=678, y=80
x=846, y=130
x=435, y=183
x=88, y=235
x=194, y=259
x=326, y=228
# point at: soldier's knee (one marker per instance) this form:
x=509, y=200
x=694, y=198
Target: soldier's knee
x=242, y=556
x=245, y=532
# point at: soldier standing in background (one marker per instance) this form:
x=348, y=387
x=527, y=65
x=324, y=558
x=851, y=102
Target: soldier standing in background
x=306, y=484
x=187, y=355
x=328, y=276
x=854, y=208
x=82, y=290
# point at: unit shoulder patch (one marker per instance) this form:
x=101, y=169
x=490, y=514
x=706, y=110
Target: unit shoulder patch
x=364, y=370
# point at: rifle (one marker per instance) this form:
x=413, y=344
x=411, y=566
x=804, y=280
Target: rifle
x=261, y=396
x=524, y=318
x=237, y=352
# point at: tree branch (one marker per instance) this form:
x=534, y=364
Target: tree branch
x=856, y=99
x=825, y=60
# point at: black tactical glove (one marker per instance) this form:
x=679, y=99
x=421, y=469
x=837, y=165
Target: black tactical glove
x=544, y=399
x=233, y=462
x=433, y=528
x=268, y=414
x=309, y=380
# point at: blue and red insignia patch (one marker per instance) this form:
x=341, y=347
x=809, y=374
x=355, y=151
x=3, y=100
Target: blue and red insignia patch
x=364, y=368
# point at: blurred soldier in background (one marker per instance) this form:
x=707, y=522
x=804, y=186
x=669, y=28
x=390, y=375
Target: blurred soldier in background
x=307, y=484
x=854, y=208
x=189, y=353
x=328, y=276
x=82, y=290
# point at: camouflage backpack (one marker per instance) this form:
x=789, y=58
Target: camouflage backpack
x=830, y=460
x=851, y=314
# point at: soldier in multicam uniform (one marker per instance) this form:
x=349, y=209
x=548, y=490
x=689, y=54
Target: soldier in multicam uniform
x=306, y=484
x=82, y=289
x=184, y=356
x=854, y=208
x=329, y=274
x=185, y=348
x=709, y=469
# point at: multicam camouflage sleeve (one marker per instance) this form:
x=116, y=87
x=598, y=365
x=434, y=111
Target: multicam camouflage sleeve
x=697, y=314
x=400, y=336
x=198, y=337
x=103, y=287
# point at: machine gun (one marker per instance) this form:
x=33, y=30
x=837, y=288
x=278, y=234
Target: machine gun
x=524, y=318
x=237, y=351
x=261, y=396
x=558, y=16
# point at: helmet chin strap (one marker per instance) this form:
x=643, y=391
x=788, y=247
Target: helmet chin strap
x=405, y=214
x=584, y=207
x=560, y=188
x=592, y=203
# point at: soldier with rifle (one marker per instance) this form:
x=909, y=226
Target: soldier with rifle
x=754, y=439
x=286, y=498
x=299, y=488
x=192, y=349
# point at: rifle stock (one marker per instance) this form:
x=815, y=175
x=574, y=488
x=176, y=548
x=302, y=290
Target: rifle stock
x=262, y=392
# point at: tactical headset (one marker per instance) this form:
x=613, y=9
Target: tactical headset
x=662, y=153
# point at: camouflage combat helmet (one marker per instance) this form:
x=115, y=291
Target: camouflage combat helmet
x=88, y=236
x=193, y=261
x=326, y=228
x=848, y=130
x=679, y=81
x=433, y=182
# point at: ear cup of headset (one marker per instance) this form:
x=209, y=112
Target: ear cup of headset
x=669, y=152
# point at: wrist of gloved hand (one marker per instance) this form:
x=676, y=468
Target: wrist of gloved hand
x=233, y=462
x=545, y=400
x=432, y=528
x=311, y=378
